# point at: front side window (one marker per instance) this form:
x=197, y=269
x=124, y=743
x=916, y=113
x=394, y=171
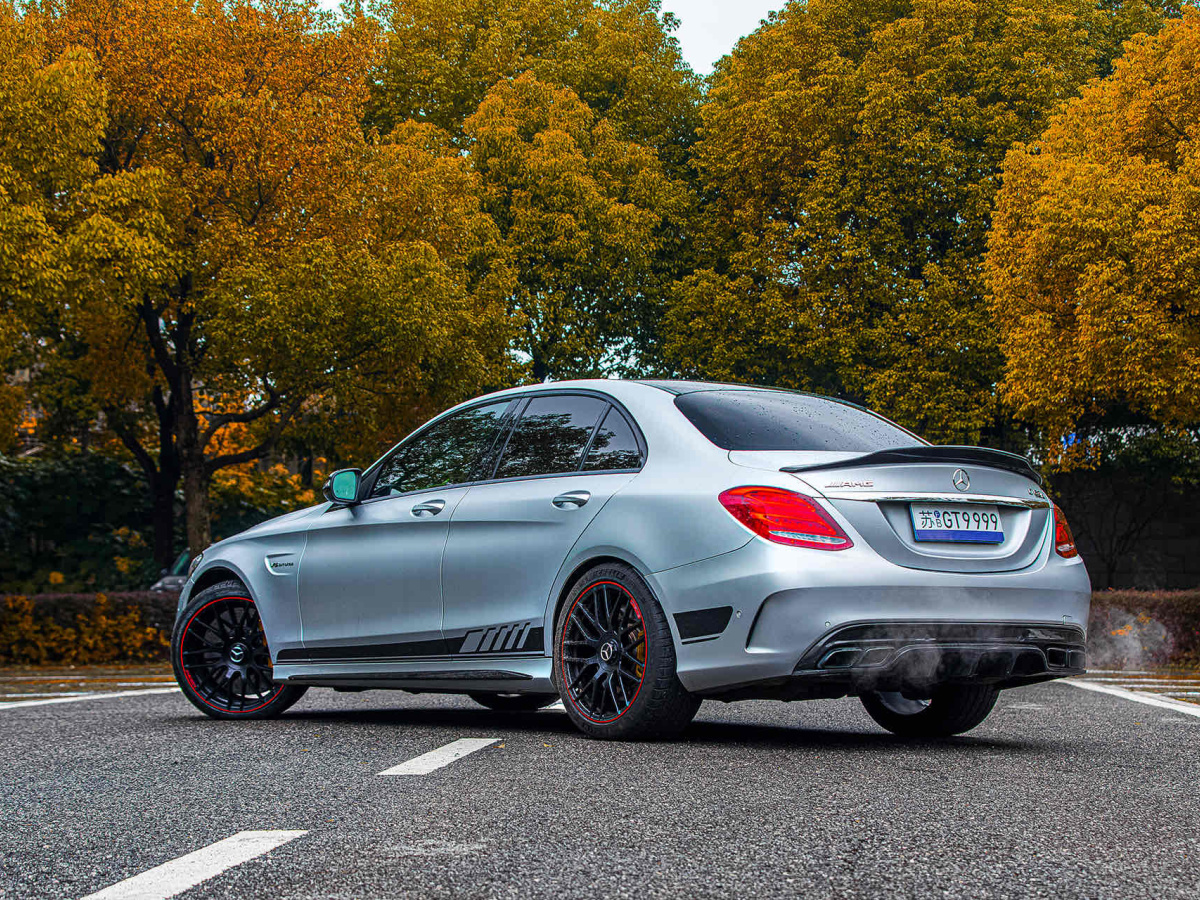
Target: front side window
x=614, y=447
x=551, y=436
x=775, y=420
x=447, y=452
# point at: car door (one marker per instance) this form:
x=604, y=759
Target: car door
x=565, y=457
x=370, y=577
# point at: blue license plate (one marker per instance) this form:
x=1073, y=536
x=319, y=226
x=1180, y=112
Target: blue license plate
x=956, y=523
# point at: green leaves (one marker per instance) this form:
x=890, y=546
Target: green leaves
x=850, y=155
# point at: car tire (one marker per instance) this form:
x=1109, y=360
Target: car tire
x=513, y=702
x=953, y=709
x=221, y=660
x=614, y=659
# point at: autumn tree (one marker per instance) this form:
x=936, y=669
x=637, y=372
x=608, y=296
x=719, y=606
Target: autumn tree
x=250, y=254
x=51, y=118
x=580, y=210
x=850, y=154
x=579, y=116
x=619, y=57
x=1094, y=260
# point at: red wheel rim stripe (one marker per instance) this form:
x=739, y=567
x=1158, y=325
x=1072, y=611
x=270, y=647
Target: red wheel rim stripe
x=188, y=675
x=562, y=636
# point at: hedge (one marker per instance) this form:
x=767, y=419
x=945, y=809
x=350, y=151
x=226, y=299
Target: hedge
x=1128, y=629
x=1135, y=629
x=85, y=629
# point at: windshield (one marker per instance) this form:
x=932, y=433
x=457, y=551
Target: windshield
x=774, y=420
x=180, y=566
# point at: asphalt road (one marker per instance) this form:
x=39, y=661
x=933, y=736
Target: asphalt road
x=1062, y=793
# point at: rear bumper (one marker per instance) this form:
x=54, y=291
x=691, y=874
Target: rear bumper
x=789, y=606
x=913, y=657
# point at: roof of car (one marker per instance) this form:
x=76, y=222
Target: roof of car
x=691, y=387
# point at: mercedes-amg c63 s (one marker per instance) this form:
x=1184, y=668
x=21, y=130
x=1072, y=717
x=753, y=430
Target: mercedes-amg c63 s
x=637, y=547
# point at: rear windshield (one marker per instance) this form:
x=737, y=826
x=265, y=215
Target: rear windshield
x=772, y=420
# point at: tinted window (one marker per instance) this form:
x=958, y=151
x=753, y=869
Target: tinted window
x=767, y=420
x=445, y=453
x=614, y=447
x=550, y=436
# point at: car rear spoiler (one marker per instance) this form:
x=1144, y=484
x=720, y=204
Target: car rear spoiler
x=977, y=456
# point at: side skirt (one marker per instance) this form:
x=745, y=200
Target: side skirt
x=508, y=674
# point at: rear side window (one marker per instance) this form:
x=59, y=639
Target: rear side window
x=771, y=420
x=551, y=436
x=446, y=452
x=614, y=447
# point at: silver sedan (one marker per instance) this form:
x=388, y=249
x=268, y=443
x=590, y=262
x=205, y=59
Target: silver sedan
x=637, y=547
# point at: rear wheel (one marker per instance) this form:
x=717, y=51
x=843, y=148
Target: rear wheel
x=219, y=653
x=514, y=702
x=952, y=709
x=614, y=660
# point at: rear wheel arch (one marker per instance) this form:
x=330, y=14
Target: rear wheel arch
x=660, y=706
x=582, y=568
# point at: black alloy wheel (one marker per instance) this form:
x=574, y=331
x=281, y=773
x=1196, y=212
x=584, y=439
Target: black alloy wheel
x=604, y=652
x=221, y=658
x=949, y=710
x=614, y=659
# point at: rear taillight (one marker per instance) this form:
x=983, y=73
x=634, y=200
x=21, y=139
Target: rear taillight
x=785, y=517
x=1064, y=541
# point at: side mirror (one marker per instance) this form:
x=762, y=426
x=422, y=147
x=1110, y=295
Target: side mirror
x=343, y=486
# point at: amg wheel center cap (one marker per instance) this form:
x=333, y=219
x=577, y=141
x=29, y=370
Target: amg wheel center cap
x=237, y=653
x=608, y=651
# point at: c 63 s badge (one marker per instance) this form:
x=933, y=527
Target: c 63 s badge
x=281, y=563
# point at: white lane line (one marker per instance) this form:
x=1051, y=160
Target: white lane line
x=1153, y=682
x=97, y=695
x=178, y=875
x=1189, y=709
x=557, y=705
x=442, y=756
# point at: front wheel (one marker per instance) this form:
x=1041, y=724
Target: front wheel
x=219, y=653
x=614, y=660
x=513, y=702
x=952, y=709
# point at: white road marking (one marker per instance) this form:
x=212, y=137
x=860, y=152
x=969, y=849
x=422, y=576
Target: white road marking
x=178, y=875
x=557, y=705
x=442, y=756
x=1189, y=709
x=1112, y=679
x=96, y=695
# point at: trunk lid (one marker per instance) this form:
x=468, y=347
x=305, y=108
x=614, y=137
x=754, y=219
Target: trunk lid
x=874, y=492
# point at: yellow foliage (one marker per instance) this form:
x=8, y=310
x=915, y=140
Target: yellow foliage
x=99, y=636
x=235, y=247
x=850, y=151
x=1094, y=260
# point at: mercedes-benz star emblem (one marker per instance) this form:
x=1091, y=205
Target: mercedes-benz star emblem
x=961, y=479
x=606, y=652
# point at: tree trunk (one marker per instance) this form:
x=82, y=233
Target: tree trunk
x=163, y=521
x=192, y=463
x=195, y=494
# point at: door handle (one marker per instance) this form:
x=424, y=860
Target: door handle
x=571, y=499
x=428, y=508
